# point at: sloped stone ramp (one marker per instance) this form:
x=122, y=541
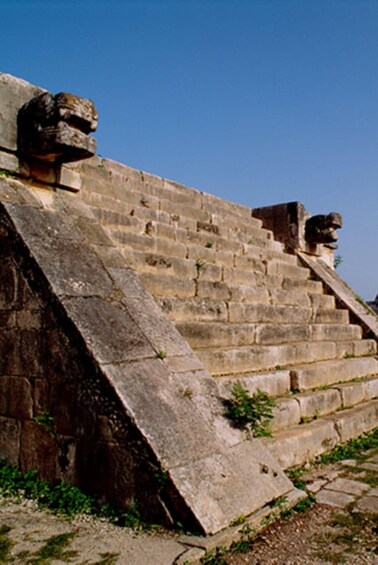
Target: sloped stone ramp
x=98, y=403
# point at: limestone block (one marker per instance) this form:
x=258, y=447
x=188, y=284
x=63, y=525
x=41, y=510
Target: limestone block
x=204, y=482
x=305, y=285
x=14, y=92
x=30, y=352
x=217, y=334
x=323, y=301
x=184, y=209
x=38, y=450
x=183, y=363
x=276, y=383
x=311, y=351
x=202, y=253
x=238, y=276
x=355, y=421
x=218, y=205
x=277, y=267
x=336, y=332
x=365, y=347
x=109, y=330
x=351, y=393
x=291, y=298
x=160, y=333
x=318, y=403
x=330, y=372
x=250, y=263
x=348, y=486
x=72, y=268
x=371, y=388
x=253, y=358
x=213, y=290
x=208, y=271
x=196, y=310
x=92, y=231
x=10, y=352
x=285, y=414
x=266, y=313
x=165, y=285
x=285, y=333
x=245, y=293
x=178, y=192
x=68, y=178
x=158, y=229
x=302, y=443
x=269, y=281
x=10, y=439
x=333, y=498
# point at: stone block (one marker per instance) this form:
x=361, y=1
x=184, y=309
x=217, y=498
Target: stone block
x=356, y=421
x=371, y=388
x=30, y=352
x=267, y=313
x=331, y=372
x=291, y=298
x=10, y=352
x=92, y=231
x=304, y=285
x=336, y=499
x=10, y=430
x=277, y=267
x=170, y=286
x=216, y=491
x=213, y=290
x=245, y=293
x=8, y=285
x=318, y=403
x=285, y=414
x=20, y=394
x=195, y=310
x=351, y=393
x=158, y=331
x=71, y=266
x=348, y=486
x=285, y=333
x=14, y=92
x=69, y=179
x=276, y=383
x=242, y=359
x=250, y=263
x=335, y=332
x=38, y=450
x=110, y=332
x=217, y=334
x=302, y=443
x=322, y=301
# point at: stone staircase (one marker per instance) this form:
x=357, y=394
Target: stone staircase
x=249, y=309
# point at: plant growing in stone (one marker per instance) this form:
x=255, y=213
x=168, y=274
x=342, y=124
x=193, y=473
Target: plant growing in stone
x=248, y=412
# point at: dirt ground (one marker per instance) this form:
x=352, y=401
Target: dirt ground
x=323, y=534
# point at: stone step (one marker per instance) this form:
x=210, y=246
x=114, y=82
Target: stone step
x=220, y=334
x=326, y=373
x=213, y=250
x=316, y=355
x=301, y=443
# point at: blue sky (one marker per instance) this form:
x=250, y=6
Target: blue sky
x=259, y=102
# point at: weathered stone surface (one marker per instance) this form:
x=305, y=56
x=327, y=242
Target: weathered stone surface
x=285, y=414
x=276, y=383
x=10, y=440
x=302, y=443
x=332, y=498
x=318, y=403
x=203, y=482
x=355, y=421
x=348, y=486
x=344, y=294
x=330, y=372
x=55, y=128
x=108, y=329
x=14, y=92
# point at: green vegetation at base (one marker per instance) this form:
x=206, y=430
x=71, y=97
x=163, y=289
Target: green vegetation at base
x=61, y=497
x=351, y=449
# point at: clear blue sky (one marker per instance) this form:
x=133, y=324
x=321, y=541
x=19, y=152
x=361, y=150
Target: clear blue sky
x=257, y=101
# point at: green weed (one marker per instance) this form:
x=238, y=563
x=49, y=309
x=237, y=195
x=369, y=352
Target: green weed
x=161, y=354
x=54, y=548
x=61, y=497
x=253, y=413
x=46, y=421
x=6, y=544
x=352, y=449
